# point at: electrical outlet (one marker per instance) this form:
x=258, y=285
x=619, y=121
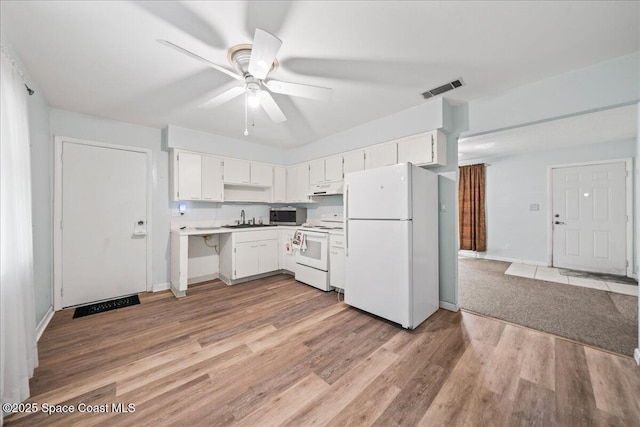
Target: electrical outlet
x=507, y=246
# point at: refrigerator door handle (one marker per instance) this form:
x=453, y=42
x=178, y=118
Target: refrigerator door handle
x=346, y=220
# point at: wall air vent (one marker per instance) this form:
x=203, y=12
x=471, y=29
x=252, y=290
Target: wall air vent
x=442, y=89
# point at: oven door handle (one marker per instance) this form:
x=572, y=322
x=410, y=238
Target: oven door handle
x=346, y=220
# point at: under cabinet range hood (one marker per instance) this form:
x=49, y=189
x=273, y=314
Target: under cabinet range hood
x=326, y=189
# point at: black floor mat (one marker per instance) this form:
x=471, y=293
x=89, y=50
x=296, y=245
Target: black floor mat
x=100, y=307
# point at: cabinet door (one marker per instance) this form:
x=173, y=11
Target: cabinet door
x=316, y=172
x=333, y=169
x=336, y=267
x=381, y=155
x=212, y=186
x=353, y=161
x=189, y=176
x=236, y=171
x=417, y=149
x=298, y=183
x=279, y=184
x=247, y=259
x=261, y=174
x=268, y=255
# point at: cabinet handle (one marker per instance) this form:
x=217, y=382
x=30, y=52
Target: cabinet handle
x=254, y=246
x=334, y=253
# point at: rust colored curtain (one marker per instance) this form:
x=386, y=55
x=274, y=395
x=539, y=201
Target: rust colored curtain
x=473, y=234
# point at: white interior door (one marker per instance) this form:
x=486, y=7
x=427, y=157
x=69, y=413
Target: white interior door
x=590, y=217
x=104, y=199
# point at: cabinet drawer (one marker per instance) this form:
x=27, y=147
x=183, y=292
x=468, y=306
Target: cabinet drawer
x=336, y=241
x=254, y=236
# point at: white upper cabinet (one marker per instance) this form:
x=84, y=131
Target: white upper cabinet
x=427, y=148
x=212, y=185
x=325, y=170
x=279, y=184
x=316, y=172
x=353, y=161
x=196, y=177
x=189, y=176
x=237, y=172
x=381, y=155
x=298, y=183
x=333, y=169
x=261, y=174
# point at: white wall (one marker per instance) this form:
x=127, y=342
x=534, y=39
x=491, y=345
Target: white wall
x=422, y=118
x=604, y=85
x=41, y=160
x=189, y=139
x=513, y=183
x=637, y=223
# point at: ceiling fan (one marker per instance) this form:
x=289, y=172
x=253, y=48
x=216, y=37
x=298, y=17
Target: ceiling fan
x=253, y=65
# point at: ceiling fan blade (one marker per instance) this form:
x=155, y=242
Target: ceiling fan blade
x=223, y=97
x=271, y=107
x=296, y=89
x=201, y=59
x=263, y=53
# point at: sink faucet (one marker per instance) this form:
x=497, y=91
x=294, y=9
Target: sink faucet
x=242, y=215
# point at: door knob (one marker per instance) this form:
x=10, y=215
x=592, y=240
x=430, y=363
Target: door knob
x=558, y=222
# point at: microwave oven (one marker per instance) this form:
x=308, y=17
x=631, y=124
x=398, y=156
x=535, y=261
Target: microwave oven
x=288, y=216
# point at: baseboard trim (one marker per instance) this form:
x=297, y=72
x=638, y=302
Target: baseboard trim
x=636, y=355
x=45, y=322
x=158, y=287
x=449, y=306
x=471, y=254
x=200, y=279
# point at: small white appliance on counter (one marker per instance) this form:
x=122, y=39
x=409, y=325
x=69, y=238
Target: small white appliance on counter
x=312, y=256
x=391, y=243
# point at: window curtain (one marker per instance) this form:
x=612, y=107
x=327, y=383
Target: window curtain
x=18, y=344
x=473, y=234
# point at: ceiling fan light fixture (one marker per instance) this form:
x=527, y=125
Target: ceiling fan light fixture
x=252, y=100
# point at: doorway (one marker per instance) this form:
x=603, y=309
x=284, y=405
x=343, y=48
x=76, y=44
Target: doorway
x=590, y=209
x=102, y=201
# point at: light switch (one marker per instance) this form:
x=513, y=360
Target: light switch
x=534, y=207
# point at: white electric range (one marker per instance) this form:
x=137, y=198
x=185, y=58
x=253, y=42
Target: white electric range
x=312, y=258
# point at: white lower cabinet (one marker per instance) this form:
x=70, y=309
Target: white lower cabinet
x=247, y=260
x=248, y=253
x=336, y=261
x=287, y=260
x=268, y=255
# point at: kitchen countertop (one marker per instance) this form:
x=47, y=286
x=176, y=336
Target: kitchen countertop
x=203, y=231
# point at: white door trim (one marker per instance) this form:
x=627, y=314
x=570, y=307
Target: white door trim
x=628, y=161
x=57, y=209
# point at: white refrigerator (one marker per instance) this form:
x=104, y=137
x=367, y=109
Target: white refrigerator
x=391, y=243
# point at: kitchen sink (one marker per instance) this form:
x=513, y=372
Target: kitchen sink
x=249, y=225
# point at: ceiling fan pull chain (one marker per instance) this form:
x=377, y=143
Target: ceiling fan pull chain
x=246, y=112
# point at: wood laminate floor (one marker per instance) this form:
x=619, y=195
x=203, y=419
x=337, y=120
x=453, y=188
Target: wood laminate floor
x=277, y=352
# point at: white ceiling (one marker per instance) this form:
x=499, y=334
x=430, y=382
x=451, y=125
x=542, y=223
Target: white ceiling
x=102, y=58
x=616, y=124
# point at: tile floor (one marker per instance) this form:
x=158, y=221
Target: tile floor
x=551, y=274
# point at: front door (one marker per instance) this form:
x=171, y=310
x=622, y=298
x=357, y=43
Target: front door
x=104, y=219
x=590, y=217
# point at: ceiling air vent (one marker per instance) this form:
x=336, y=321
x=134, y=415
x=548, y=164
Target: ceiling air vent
x=442, y=89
